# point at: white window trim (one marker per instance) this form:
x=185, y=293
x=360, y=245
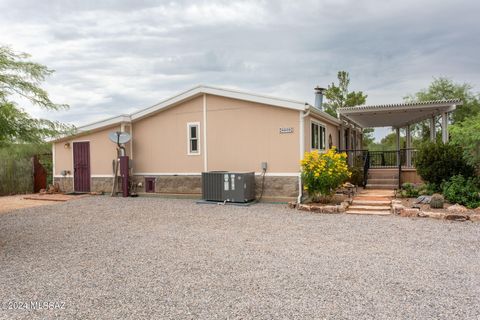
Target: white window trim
x=199, y=147
x=312, y=121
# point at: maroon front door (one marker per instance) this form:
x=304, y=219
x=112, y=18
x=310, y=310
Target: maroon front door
x=81, y=166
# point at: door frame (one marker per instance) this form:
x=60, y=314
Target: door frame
x=89, y=165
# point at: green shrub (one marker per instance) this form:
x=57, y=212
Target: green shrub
x=438, y=162
x=323, y=173
x=462, y=191
x=357, y=176
x=427, y=189
x=409, y=190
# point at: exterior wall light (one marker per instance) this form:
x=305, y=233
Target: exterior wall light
x=67, y=145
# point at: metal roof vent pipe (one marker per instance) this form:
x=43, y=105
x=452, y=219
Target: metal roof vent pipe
x=319, y=98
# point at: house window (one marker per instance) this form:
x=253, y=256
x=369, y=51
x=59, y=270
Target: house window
x=193, y=138
x=318, y=136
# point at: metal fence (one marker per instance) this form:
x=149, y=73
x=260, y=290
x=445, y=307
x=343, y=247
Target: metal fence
x=381, y=159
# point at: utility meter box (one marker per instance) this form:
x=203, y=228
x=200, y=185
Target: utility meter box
x=228, y=186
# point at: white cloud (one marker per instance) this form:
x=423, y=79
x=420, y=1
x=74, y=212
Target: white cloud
x=111, y=57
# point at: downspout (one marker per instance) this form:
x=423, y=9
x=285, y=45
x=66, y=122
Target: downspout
x=302, y=116
x=205, y=154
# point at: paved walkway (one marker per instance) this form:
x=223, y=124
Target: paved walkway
x=9, y=203
x=372, y=201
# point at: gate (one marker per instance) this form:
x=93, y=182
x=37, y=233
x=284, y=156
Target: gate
x=39, y=175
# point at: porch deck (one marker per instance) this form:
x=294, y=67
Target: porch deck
x=385, y=169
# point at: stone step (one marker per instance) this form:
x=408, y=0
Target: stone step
x=369, y=212
x=359, y=202
x=381, y=186
x=365, y=207
x=383, y=181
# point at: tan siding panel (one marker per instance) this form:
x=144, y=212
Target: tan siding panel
x=243, y=134
x=160, y=140
x=102, y=152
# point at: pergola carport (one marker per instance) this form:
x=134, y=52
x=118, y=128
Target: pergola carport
x=402, y=115
x=398, y=116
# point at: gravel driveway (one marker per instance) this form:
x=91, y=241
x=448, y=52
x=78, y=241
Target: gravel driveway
x=152, y=258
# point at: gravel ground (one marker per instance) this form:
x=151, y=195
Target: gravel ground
x=151, y=258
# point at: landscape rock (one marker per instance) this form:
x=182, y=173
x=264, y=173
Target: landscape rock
x=319, y=208
x=457, y=208
x=304, y=207
x=409, y=212
x=423, y=199
x=475, y=217
x=456, y=217
x=431, y=214
x=396, y=208
x=292, y=204
x=343, y=206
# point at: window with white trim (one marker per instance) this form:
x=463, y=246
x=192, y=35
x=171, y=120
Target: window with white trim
x=193, y=129
x=317, y=134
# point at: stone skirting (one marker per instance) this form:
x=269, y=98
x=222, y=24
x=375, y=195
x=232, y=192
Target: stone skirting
x=172, y=184
x=64, y=183
x=275, y=187
x=97, y=184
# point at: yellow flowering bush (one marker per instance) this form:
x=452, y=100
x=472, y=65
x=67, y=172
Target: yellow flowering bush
x=323, y=173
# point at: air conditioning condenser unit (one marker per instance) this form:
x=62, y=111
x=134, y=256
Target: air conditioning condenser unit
x=228, y=186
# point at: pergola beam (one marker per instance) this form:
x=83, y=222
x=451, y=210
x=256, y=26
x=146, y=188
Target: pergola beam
x=399, y=115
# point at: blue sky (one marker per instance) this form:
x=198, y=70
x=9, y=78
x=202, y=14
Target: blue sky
x=115, y=57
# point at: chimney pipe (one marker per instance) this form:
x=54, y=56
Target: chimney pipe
x=319, y=97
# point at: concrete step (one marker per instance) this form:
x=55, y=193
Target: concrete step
x=366, y=212
x=383, y=181
x=381, y=186
x=359, y=202
x=370, y=207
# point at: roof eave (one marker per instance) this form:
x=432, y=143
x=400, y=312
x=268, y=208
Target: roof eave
x=323, y=114
x=228, y=93
x=184, y=96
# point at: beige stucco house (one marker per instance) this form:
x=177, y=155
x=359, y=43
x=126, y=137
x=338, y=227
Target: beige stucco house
x=203, y=129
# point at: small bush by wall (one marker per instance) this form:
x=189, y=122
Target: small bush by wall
x=438, y=162
x=461, y=190
x=323, y=173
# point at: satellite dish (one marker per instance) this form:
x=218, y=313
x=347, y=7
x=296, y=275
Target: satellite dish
x=119, y=137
